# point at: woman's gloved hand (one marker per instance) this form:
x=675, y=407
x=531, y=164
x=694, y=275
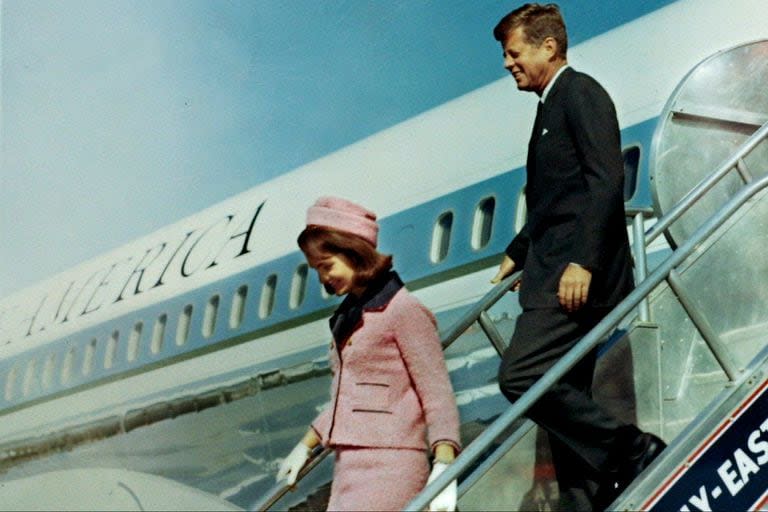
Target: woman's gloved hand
x=292, y=464
x=446, y=499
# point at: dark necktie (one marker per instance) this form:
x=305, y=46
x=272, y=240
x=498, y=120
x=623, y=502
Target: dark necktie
x=537, y=124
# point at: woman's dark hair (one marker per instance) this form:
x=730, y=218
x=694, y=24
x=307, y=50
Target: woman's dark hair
x=368, y=263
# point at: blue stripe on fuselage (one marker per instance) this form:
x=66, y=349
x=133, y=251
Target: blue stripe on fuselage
x=408, y=235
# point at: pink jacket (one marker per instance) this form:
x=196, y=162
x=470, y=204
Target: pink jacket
x=390, y=388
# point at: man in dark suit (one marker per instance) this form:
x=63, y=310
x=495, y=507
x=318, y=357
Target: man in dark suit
x=575, y=256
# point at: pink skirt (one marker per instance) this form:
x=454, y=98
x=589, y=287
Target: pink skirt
x=377, y=478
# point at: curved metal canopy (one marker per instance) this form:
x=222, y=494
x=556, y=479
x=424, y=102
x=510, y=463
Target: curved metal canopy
x=714, y=109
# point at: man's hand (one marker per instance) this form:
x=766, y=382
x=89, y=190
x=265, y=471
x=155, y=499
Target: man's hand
x=505, y=269
x=574, y=287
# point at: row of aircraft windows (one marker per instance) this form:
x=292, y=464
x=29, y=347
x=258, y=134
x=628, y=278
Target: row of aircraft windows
x=482, y=229
x=43, y=373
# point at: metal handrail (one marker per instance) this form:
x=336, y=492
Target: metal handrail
x=642, y=239
x=279, y=490
x=447, y=337
x=481, y=443
x=494, y=457
x=638, y=298
x=735, y=161
x=451, y=334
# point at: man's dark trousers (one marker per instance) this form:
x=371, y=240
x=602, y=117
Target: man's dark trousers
x=582, y=435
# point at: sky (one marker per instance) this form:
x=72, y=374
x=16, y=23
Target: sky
x=123, y=116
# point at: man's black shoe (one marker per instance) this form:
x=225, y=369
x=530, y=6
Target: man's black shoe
x=645, y=448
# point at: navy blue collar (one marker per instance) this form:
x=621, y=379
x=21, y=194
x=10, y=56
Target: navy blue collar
x=376, y=296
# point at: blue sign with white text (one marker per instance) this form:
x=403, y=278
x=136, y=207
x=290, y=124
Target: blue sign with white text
x=732, y=472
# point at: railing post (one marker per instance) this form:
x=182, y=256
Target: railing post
x=746, y=176
x=713, y=340
x=482, y=442
x=492, y=333
x=489, y=299
x=641, y=264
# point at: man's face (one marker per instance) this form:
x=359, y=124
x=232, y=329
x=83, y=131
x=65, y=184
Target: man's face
x=530, y=65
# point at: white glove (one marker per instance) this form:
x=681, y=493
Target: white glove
x=446, y=500
x=292, y=464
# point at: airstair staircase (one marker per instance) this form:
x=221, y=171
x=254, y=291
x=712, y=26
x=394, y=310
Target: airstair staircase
x=685, y=355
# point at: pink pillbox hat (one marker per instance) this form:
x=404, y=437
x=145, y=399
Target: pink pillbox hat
x=343, y=215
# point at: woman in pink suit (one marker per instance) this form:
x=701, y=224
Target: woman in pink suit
x=390, y=390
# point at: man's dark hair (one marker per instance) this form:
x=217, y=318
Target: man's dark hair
x=538, y=23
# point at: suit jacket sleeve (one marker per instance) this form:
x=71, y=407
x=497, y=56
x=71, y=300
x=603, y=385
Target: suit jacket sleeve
x=322, y=422
x=517, y=249
x=321, y=425
x=419, y=344
x=591, y=119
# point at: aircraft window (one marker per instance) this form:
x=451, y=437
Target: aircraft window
x=158, y=333
x=29, y=377
x=441, y=237
x=66, y=366
x=267, y=303
x=109, y=355
x=237, y=312
x=521, y=212
x=48, y=368
x=10, y=383
x=299, y=286
x=133, y=341
x=209, y=319
x=90, y=350
x=182, y=330
x=482, y=226
x=631, y=166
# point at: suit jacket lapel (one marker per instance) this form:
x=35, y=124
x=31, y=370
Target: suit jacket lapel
x=538, y=124
x=564, y=77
